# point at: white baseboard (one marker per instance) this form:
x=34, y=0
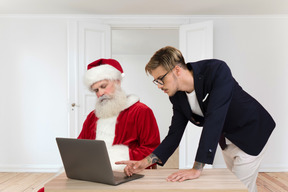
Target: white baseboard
x=31, y=168
x=273, y=168
x=263, y=168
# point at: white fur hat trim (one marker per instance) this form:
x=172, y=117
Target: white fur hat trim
x=104, y=71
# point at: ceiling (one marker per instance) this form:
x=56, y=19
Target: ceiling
x=145, y=7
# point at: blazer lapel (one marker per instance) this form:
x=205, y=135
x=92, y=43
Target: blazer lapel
x=198, y=87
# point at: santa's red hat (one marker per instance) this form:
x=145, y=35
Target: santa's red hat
x=103, y=69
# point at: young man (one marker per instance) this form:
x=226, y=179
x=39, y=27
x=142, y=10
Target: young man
x=206, y=94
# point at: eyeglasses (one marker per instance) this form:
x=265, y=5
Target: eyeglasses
x=160, y=81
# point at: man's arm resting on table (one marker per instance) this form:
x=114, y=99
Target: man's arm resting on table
x=198, y=165
x=187, y=174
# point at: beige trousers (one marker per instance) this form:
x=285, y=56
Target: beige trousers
x=244, y=166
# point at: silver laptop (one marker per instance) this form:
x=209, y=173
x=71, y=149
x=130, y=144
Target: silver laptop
x=89, y=160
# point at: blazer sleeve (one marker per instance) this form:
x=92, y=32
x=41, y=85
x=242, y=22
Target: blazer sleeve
x=175, y=133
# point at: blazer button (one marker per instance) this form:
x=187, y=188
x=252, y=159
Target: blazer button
x=210, y=150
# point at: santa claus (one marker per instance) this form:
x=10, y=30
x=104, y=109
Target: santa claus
x=127, y=126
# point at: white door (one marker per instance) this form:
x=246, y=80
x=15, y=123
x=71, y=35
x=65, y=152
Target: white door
x=87, y=43
x=195, y=43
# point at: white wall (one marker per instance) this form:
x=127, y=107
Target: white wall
x=256, y=51
x=33, y=71
x=34, y=96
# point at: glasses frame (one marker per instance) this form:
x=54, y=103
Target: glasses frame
x=160, y=81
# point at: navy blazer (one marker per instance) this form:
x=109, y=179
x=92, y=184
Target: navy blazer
x=227, y=110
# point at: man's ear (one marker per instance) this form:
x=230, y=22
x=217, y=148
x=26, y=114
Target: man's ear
x=118, y=81
x=178, y=70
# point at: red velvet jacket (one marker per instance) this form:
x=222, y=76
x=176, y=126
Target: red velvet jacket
x=136, y=127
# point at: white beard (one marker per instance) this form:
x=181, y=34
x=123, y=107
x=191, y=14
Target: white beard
x=111, y=105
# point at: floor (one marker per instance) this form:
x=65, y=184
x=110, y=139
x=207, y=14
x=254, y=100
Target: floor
x=23, y=182
x=272, y=182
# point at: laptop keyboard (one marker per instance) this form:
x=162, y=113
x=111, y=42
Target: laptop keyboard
x=119, y=175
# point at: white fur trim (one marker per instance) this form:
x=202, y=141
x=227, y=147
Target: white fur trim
x=131, y=100
x=106, y=131
x=118, y=153
x=101, y=72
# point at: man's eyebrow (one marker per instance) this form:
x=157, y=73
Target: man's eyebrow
x=159, y=77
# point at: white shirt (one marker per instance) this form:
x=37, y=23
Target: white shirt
x=195, y=107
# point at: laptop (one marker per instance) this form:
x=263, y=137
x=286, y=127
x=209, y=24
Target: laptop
x=88, y=160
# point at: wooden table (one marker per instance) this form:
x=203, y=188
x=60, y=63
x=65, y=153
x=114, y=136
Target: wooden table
x=221, y=180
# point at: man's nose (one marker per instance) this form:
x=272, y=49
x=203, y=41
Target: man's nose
x=100, y=93
x=159, y=86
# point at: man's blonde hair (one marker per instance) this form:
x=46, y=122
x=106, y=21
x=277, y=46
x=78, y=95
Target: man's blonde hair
x=168, y=57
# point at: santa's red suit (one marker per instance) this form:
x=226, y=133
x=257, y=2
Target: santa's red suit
x=133, y=134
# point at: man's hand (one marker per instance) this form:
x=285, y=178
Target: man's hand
x=183, y=175
x=137, y=166
x=133, y=166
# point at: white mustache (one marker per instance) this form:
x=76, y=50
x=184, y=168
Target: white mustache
x=104, y=97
